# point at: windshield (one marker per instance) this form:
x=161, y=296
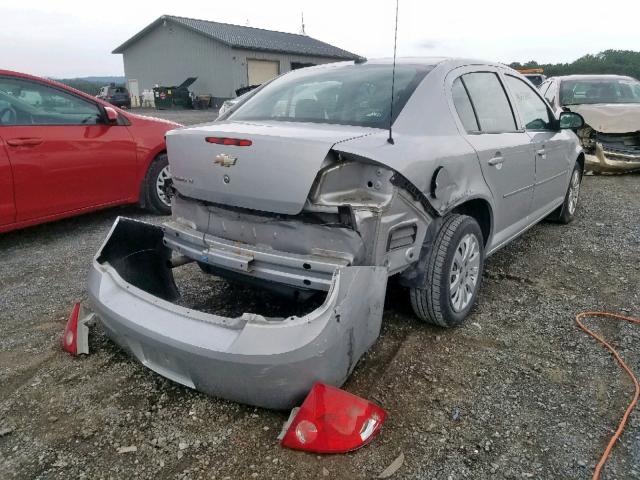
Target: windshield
x=351, y=95
x=588, y=91
x=536, y=79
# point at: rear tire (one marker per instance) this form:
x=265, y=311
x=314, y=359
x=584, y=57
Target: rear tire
x=454, y=273
x=157, y=201
x=566, y=212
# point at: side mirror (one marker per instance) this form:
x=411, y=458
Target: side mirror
x=112, y=115
x=571, y=120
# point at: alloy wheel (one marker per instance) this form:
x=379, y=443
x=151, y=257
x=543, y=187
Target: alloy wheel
x=464, y=272
x=574, y=192
x=162, y=176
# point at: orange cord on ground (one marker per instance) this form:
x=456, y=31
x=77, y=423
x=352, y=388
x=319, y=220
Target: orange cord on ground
x=623, y=422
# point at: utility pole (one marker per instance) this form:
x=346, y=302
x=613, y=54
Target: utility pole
x=302, y=32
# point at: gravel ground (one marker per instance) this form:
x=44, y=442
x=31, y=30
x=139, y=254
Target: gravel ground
x=516, y=392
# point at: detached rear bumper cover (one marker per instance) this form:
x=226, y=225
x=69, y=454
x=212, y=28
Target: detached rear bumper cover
x=251, y=359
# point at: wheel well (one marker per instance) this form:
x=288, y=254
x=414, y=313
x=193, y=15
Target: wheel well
x=481, y=211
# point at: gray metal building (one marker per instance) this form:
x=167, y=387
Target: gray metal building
x=224, y=57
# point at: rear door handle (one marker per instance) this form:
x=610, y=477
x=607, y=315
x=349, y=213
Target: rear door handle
x=24, y=142
x=497, y=160
x=542, y=153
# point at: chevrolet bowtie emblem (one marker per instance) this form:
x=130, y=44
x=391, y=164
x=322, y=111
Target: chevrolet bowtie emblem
x=225, y=160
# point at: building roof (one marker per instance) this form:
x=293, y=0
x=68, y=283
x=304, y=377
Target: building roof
x=249, y=38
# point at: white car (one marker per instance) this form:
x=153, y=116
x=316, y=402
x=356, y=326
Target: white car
x=610, y=105
x=227, y=105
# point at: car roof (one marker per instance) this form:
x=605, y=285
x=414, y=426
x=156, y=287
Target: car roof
x=447, y=62
x=428, y=61
x=594, y=77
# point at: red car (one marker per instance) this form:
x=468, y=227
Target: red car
x=63, y=153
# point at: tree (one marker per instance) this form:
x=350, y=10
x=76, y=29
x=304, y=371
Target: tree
x=613, y=62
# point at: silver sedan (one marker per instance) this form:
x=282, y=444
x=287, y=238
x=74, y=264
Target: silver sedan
x=325, y=182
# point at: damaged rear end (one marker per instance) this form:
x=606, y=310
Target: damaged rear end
x=329, y=210
x=281, y=205
x=341, y=239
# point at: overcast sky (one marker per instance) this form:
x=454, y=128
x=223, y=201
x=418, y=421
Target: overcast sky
x=67, y=38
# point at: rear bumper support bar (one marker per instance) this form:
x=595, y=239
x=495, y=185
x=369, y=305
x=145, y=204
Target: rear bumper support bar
x=313, y=272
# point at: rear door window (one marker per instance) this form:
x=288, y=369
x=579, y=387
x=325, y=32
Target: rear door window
x=463, y=106
x=533, y=111
x=490, y=102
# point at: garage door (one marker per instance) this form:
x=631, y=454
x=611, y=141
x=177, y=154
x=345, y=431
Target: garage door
x=259, y=71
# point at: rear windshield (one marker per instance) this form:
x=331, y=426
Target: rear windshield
x=351, y=95
x=587, y=91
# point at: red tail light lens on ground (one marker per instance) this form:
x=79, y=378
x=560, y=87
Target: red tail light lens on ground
x=333, y=421
x=70, y=336
x=75, y=339
x=229, y=141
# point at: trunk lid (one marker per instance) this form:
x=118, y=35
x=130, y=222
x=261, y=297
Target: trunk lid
x=273, y=174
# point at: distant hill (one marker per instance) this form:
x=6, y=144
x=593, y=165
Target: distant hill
x=614, y=62
x=101, y=80
x=91, y=85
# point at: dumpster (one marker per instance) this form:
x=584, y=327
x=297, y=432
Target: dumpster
x=175, y=96
x=162, y=96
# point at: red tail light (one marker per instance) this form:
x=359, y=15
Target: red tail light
x=70, y=337
x=333, y=421
x=75, y=339
x=229, y=141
